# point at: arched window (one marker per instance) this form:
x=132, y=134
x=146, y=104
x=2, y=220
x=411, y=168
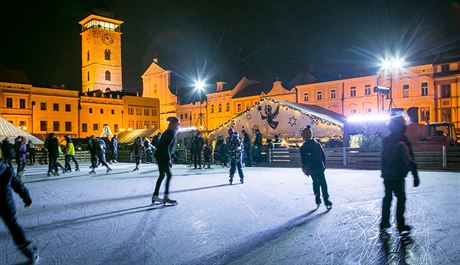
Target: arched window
x=212, y=108
x=305, y=97
x=107, y=90
x=219, y=108
x=88, y=75
x=227, y=108
x=107, y=75
x=107, y=54
x=87, y=56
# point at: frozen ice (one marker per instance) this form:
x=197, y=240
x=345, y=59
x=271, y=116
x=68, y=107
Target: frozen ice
x=78, y=218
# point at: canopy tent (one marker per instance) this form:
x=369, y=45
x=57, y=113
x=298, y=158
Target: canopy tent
x=130, y=136
x=273, y=117
x=8, y=130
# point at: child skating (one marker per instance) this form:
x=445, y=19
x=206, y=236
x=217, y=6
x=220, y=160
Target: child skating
x=236, y=149
x=314, y=165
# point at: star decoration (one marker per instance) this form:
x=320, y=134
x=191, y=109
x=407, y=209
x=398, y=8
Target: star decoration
x=259, y=108
x=248, y=116
x=292, y=121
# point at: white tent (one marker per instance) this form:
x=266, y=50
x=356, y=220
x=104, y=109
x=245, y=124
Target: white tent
x=8, y=130
x=285, y=118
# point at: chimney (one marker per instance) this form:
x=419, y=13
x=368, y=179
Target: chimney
x=155, y=60
x=219, y=86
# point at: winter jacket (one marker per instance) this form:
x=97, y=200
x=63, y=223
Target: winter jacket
x=258, y=140
x=7, y=150
x=207, y=152
x=9, y=180
x=70, y=149
x=235, y=147
x=138, y=148
x=313, y=157
x=114, y=143
x=246, y=140
x=164, y=152
x=53, y=147
x=197, y=144
x=22, y=151
x=397, y=157
x=103, y=145
x=156, y=140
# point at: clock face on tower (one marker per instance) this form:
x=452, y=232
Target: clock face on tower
x=107, y=39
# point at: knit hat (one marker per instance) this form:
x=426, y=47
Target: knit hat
x=172, y=120
x=307, y=133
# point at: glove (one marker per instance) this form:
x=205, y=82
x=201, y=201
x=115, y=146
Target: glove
x=169, y=163
x=27, y=202
x=416, y=180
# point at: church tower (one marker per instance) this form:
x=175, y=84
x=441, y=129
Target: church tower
x=101, y=54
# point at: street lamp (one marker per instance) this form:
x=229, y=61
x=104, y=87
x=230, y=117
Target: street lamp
x=390, y=65
x=199, y=86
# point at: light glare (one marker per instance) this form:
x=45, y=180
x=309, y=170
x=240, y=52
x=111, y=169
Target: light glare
x=392, y=63
x=199, y=85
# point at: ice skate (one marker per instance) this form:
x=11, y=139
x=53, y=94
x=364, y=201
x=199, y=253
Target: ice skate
x=77, y=170
x=167, y=200
x=241, y=180
x=404, y=234
x=327, y=203
x=135, y=169
x=108, y=170
x=318, y=201
x=92, y=171
x=230, y=180
x=30, y=252
x=48, y=174
x=155, y=198
x=55, y=174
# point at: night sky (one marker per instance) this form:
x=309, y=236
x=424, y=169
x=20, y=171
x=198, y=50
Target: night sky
x=224, y=40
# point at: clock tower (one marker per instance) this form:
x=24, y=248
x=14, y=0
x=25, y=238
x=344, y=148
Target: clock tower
x=101, y=54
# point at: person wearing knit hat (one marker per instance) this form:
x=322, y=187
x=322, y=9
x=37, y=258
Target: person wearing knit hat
x=314, y=164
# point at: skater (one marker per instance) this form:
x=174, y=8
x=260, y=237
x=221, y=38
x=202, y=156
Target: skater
x=70, y=155
x=147, y=150
x=236, y=150
x=247, y=149
x=103, y=146
x=163, y=155
x=21, y=154
x=258, y=147
x=156, y=140
x=197, y=146
x=31, y=150
x=114, y=147
x=314, y=164
x=137, y=151
x=9, y=180
x=207, y=153
x=397, y=161
x=53, y=154
x=8, y=152
x=92, y=152
x=99, y=155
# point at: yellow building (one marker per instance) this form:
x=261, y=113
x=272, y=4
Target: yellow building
x=447, y=92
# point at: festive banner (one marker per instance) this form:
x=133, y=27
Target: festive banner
x=273, y=117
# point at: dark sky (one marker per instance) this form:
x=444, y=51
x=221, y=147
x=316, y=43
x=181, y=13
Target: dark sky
x=264, y=40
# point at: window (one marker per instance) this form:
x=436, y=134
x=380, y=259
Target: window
x=55, y=106
x=68, y=126
x=405, y=91
x=84, y=127
x=87, y=55
x=146, y=112
x=333, y=93
x=9, y=103
x=90, y=110
x=107, y=75
x=22, y=123
x=353, y=111
x=56, y=126
x=238, y=107
x=212, y=108
x=43, y=126
x=154, y=112
x=67, y=108
x=113, y=111
x=352, y=91
x=87, y=76
x=425, y=114
x=138, y=111
x=219, y=108
x=43, y=106
x=305, y=96
x=95, y=127
x=107, y=54
x=146, y=124
x=154, y=124
x=369, y=110
x=138, y=124
x=22, y=103
x=130, y=124
x=227, y=106
x=445, y=68
x=446, y=115
x=424, y=89
x=182, y=116
x=186, y=116
x=445, y=91
x=130, y=111
x=115, y=127
x=319, y=95
x=367, y=90
x=101, y=111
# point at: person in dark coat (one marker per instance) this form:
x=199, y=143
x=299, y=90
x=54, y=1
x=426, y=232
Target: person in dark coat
x=197, y=147
x=21, y=154
x=92, y=152
x=31, y=150
x=207, y=153
x=247, y=148
x=314, y=164
x=137, y=151
x=148, y=150
x=236, y=150
x=156, y=140
x=397, y=161
x=8, y=152
x=99, y=153
x=114, y=147
x=53, y=154
x=258, y=147
x=164, y=155
x=9, y=180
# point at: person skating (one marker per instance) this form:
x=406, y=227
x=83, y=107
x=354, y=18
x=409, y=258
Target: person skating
x=92, y=153
x=9, y=180
x=163, y=155
x=32, y=151
x=70, y=155
x=314, y=165
x=114, y=147
x=8, y=152
x=247, y=149
x=397, y=161
x=156, y=140
x=148, y=150
x=21, y=155
x=197, y=146
x=207, y=153
x=53, y=154
x=137, y=151
x=99, y=153
x=258, y=147
x=236, y=150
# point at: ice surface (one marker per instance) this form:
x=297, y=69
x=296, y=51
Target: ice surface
x=78, y=218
